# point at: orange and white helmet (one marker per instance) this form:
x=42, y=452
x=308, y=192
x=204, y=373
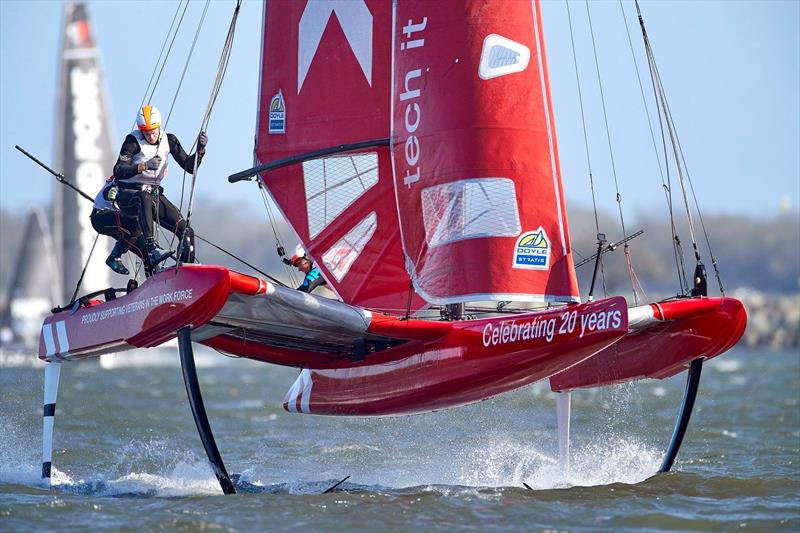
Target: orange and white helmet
x=299, y=253
x=149, y=118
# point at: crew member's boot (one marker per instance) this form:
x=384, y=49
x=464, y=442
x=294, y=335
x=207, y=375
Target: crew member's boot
x=155, y=255
x=114, y=261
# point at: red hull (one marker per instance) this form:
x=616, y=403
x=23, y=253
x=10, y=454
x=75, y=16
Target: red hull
x=148, y=316
x=682, y=330
x=469, y=363
x=361, y=363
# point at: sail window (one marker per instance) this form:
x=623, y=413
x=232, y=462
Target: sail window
x=501, y=56
x=470, y=209
x=341, y=255
x=332, y=184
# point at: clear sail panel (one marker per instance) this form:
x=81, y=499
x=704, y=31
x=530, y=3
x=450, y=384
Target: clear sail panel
x=326, y=81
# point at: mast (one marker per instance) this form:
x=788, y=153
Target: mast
x=83, y=151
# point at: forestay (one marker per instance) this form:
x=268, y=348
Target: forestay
x=477, y=175
x=325, y=81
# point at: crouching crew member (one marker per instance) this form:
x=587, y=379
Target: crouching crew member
x=141, y=166
x=313, y=277
x=107, y=220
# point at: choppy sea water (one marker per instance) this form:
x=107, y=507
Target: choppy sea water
x=127, y=455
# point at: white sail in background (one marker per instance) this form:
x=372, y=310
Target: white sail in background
x=35, y=288
x=84, y=154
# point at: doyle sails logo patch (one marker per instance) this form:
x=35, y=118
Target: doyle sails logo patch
x=277, y=114
x=532, y=250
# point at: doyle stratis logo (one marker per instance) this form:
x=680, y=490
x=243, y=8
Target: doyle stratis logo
x=532, y=250
x=277, y=114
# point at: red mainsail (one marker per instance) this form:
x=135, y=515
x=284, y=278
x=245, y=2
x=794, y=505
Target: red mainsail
x=326, y=81
x=473, y=169
x=477, y=176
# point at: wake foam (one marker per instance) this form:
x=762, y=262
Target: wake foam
x=503, y=461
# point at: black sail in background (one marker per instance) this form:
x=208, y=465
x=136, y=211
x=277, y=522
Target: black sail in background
x=85, y=153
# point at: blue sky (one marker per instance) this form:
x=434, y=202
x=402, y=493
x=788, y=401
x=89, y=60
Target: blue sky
x=731, y=70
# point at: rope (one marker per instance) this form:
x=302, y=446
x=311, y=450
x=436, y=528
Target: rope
x=151, y=87
x=164, y=63
x=605, y=118
x=676, y=243
x=175, y=98
x=680, y=161
x=702, y=223
x=186, y=65
x=289, y=271
x=83, y=272
x=221, y=69
x=583, y=118
x=665, y=187
x=611, y=154
x=223, y=250
x=160, y=54
x=674, y=141
x=641, y=91
x=585, y=134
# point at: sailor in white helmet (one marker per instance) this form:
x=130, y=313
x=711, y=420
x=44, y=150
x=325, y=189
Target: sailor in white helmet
x=302, y=262
x=141, y=166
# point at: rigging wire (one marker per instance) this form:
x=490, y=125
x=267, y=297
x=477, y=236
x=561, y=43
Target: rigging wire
x=680, y=161
x=83, y=272
x=160, y=54
x=666, y=184
x=583, y=118
x=186, y=65
x=673, y=140
x=289, y=271
x=702, y=224
x=626, y=249
x=154, y=86
x=641, y=91
x=222, y=67
x=605, y=118
x=585, y=139
x=234, y=256
x=676, y=241
x=172, y=106
x=164, y=63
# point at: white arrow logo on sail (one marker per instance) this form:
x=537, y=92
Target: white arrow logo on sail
x=356, y=22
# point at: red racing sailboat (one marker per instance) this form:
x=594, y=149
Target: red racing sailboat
x=412, y=148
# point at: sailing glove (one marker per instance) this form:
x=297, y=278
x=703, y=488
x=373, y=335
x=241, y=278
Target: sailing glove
x=111, y=193
x=281, y=251
x=153, y=163
x=202, y=141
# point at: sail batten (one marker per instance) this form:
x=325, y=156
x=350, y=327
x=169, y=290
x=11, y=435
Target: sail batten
x=466, y=201
x=325, y=82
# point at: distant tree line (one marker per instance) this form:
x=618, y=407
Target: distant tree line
x=763, y=254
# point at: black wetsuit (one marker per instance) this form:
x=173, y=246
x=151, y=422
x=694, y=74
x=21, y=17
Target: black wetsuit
x=108, y=220
x=148, y=203
x=121, y=227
